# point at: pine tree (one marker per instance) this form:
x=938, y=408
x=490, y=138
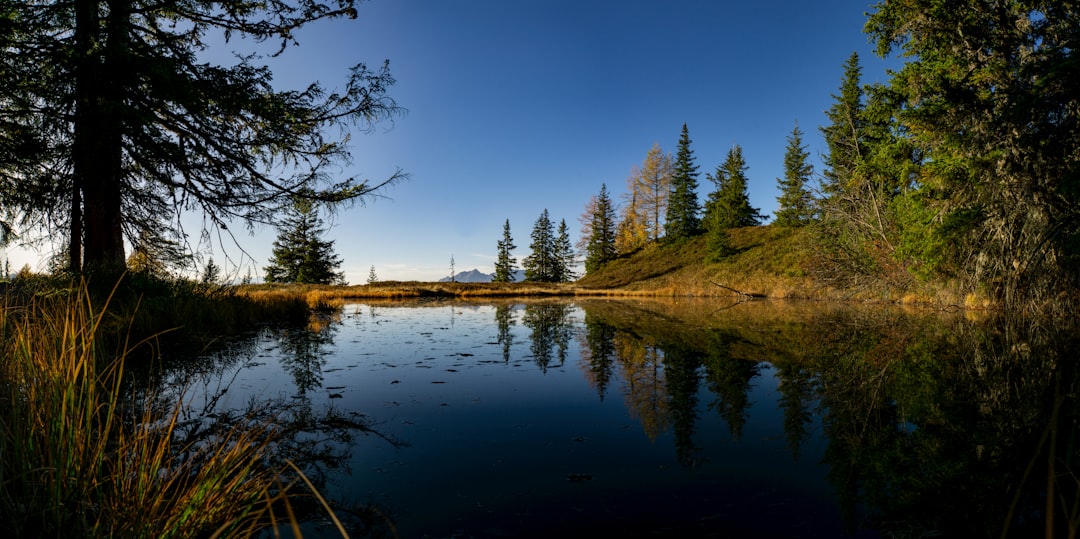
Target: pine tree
x=504, y=262
x=371, y=277
x=211, y=274
x=682, y=220
x=564, y=257
x=600, y=248
x=540, y=264
x=795, y=201
x=844, y=134
x=729, y=205
x=299, y=254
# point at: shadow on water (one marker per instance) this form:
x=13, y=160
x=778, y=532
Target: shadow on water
x=772, y=419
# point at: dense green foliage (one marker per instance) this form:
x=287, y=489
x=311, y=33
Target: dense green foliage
x=112, y=125
x=989, y=96
x=300, y=254
x=682, y=220
x=504, y=261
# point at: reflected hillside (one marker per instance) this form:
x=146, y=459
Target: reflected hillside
x=932, y=421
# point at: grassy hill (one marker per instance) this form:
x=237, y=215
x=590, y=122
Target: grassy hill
x=769, y=261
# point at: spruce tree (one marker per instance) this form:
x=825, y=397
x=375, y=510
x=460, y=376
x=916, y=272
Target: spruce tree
x=600, y=248
x=504, y=262
x=729, y=205
x=682, y=220
x=540, y=264
x=564, y=257
x=844, y=134
x=796, y=204
x=299, y=254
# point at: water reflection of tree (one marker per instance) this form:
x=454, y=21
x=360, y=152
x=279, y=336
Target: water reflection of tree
x=681, y=379
x=598, y=354
x=950, y=432
x=933, y=425
x=797, y=395
x=729, y=380
x=646, y=396
x=504, y=321
x=550, y=332
x=303, y=354
x=317, y=441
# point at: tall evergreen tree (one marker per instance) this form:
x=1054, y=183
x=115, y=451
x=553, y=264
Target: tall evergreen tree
x=683, y=220
x=540, y=265
x=600, y=248
x=844, y=134
x=505, y=261
x=300, y=254
x=795, y=201
x=728, y=205
x=564, y=257
x=123, y=125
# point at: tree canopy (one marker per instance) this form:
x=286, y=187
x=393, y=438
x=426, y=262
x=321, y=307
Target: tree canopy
x=117, y=125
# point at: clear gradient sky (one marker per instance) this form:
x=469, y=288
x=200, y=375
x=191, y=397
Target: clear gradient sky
x=516, y=106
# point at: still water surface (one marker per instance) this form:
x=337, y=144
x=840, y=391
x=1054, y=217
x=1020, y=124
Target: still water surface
x=666, y=418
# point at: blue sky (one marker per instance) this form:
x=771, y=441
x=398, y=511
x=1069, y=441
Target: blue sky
x=518, y=106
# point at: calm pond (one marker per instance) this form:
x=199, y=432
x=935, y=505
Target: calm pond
x=689, y=418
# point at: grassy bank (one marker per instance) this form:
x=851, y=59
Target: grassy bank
x=83, y=455
x=768, y=261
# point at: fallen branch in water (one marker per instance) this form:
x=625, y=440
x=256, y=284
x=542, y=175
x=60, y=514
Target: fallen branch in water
x=743, y=296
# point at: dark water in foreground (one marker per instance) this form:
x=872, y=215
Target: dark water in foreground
x=678, y=419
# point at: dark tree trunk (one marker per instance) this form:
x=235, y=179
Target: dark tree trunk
x=98, y=149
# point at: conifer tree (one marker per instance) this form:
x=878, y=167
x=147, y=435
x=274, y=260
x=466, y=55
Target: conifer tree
x=682, y=220
x=300, y=255
x=540, y=264
x=844, y=134
x=371, y=277
x=796, y=204
x=504, y=262
x=729, y=205
x=632, y=232
x=600, y=247
x=564, y=257
x=650, y=189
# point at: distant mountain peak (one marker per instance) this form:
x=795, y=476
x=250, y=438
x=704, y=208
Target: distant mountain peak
x=476, y=276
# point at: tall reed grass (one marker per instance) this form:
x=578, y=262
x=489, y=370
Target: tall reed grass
x=83, y=455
